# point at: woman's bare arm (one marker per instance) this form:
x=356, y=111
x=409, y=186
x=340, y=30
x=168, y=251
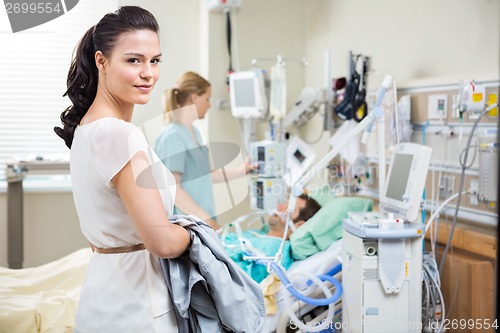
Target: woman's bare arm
x=145, y=208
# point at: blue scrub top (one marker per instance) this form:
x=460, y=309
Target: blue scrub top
x=181, y=153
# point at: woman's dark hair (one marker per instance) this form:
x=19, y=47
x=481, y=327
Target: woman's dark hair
x=83, y=75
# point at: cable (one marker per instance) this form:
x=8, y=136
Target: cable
x=432, y=284
x=460, y=189
x=396, y=111
x=235, y=47
x=436, y=212
x=228, y=40
x=321, y=133
x=424, y=192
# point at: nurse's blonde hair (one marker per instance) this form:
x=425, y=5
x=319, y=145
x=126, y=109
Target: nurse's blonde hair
x=187, y=84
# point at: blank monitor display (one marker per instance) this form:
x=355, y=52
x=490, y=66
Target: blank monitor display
x=396, y=186
x=244, y=92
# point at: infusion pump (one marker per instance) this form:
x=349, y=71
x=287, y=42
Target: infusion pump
x=270, y=157
x=268, y=188
x=267, y=193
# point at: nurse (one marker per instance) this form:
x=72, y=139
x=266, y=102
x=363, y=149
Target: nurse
x=181, y=148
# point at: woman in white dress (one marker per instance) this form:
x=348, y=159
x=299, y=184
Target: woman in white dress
x=122, y=192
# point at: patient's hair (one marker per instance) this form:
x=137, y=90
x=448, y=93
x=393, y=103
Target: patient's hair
x=83, y=75
x=311, y=208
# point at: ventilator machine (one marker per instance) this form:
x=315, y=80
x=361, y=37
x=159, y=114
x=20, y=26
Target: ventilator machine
x=382, y=260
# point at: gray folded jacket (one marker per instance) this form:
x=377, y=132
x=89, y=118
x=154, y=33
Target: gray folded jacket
x=210, y=293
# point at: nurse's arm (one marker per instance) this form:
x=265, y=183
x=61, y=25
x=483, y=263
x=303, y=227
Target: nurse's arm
x=186, y=203
x=221, y=175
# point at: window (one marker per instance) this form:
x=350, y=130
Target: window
x=33, y=69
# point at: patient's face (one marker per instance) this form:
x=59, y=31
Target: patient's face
x=277, y=219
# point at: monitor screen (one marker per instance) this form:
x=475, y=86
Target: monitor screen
x=299, y=156
x=248, y=94
x=402, y=194
x=244, y=92
x=396, y=185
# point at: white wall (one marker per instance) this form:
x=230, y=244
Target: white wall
x=412, y=40
x=419, y=43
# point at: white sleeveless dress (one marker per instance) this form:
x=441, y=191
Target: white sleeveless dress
x=123, y=292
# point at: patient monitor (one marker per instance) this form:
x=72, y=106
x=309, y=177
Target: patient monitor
x=299, y=157
x=382, y=260
x=405, y=184
x=248, y=94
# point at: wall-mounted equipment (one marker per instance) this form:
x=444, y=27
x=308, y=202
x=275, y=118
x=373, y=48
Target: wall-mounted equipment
x=221, y=5
x=353, y=104
x=248, y=95
x=472, y=96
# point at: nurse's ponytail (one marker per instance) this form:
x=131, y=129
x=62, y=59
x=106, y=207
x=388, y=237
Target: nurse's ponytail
x=187, y=84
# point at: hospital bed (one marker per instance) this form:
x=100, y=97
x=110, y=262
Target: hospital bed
x=316, y=247
x=44, y=298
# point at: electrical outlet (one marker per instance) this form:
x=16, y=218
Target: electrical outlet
x=443, y=187
x=437, y=107
x=446, y=187
x=451, y=185
x=474, y=189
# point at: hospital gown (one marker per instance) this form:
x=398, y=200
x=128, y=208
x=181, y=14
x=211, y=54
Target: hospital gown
x=124, y=292
x=259, y=244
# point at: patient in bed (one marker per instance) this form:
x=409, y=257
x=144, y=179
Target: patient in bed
x=265, y=242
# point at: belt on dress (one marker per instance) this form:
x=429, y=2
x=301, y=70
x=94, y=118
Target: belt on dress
x=120, y=249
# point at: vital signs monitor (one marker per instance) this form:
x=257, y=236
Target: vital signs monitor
x=248, y=94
